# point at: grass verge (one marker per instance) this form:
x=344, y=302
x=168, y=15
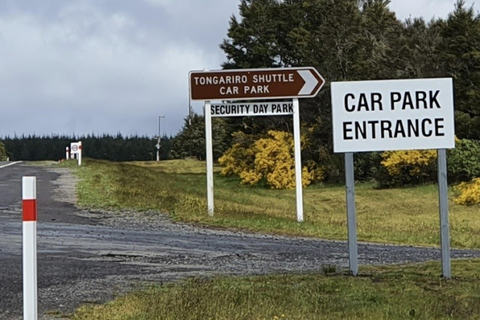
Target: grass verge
x=400, y=292
x=178, y=187
x=405, y=216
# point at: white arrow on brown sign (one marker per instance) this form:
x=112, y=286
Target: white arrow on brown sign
x=249, y=84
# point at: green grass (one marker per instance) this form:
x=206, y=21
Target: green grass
x=178, y=187
x=400, y=292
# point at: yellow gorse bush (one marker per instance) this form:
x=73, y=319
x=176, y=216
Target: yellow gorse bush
x=270, y=158
x=414, y=161
x=418, y=162
x=468, y=193
x=239, y=158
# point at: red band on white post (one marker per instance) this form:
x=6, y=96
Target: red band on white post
x=30, y=210
x=29, y=196
x=29, y=199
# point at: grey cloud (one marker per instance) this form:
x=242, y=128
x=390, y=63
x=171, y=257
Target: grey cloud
x=89, y=67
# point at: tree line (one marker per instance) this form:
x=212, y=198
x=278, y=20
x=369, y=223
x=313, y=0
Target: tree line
x=108, y=147
x=188, y=143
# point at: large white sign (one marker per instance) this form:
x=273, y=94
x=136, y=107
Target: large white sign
x=393, y=115
x=251, y=109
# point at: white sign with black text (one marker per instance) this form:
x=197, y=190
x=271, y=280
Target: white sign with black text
x=393, y=115
x=251, y=109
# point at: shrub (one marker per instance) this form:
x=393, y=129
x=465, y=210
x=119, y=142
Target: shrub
x=268, y=159
x=3, y=152
x=409, y=166
x=464, y=161
x=240, y=157
x=468, y=193
x=318, y=155
x=367, y=165
x=420, y=166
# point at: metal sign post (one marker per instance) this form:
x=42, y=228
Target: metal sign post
x=443, y=209
x=351, y=214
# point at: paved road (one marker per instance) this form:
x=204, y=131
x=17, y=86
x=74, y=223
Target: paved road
x=83, y=258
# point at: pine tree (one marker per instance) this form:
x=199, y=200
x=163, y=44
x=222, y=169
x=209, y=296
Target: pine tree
x=3, y=152
x=460, y=54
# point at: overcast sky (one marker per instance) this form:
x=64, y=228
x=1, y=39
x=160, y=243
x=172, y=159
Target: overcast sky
x=109, y=66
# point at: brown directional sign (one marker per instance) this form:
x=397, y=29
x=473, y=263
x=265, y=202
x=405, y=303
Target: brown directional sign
x=249, y=84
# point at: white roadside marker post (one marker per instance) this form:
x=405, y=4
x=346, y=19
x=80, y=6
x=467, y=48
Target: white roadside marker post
x=79, y=153
x=29, y=202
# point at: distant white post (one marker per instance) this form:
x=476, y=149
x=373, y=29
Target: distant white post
x=159, y=139
x=79, y=153
x=29, y=196
x=67, y=153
